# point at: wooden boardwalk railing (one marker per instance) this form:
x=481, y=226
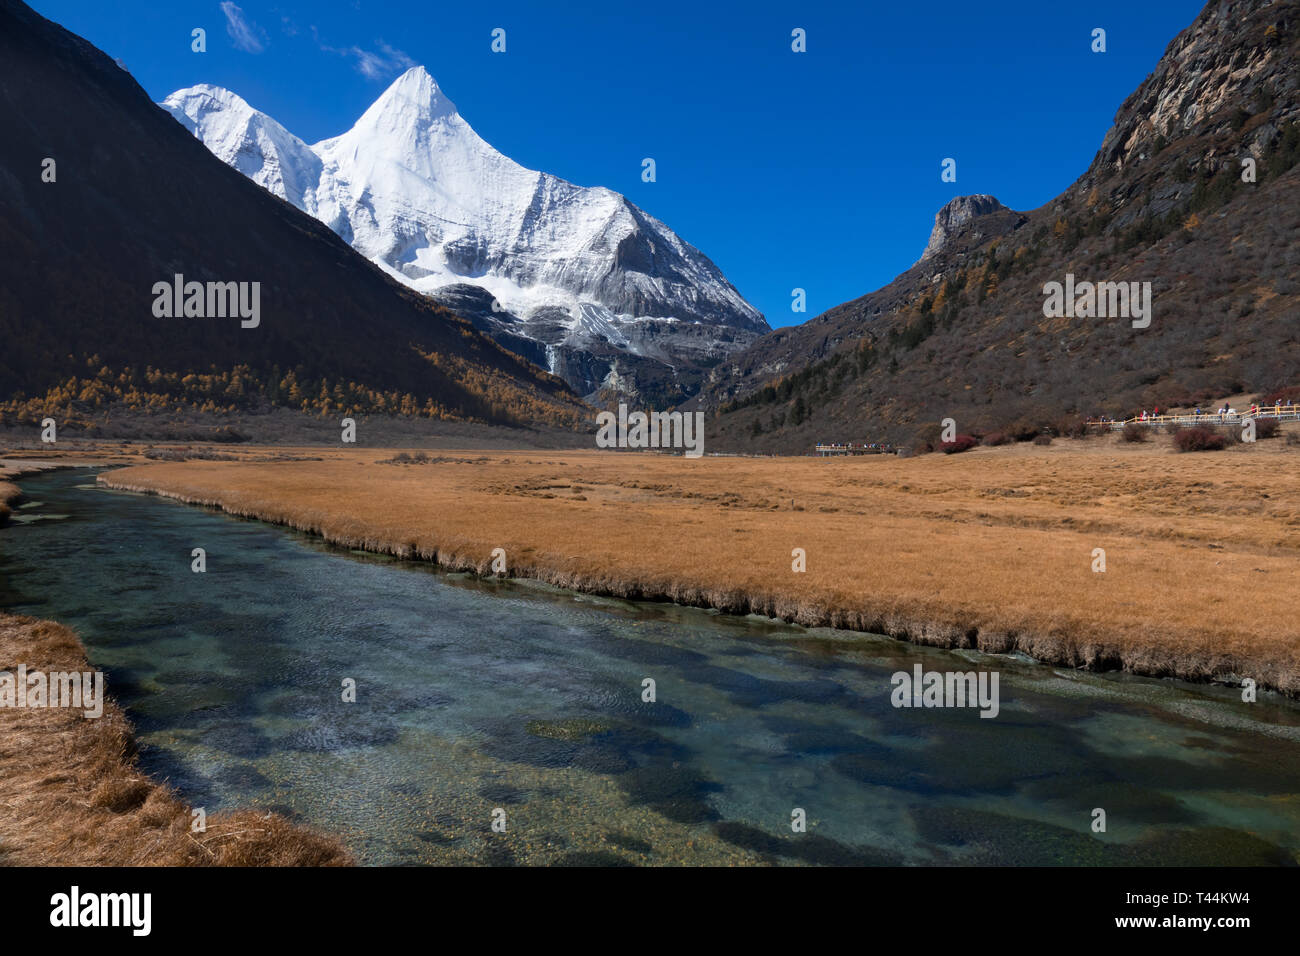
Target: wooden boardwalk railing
x=1280, y=412
x=854, y=448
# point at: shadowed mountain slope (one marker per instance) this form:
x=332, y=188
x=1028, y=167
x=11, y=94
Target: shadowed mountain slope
x=136, y=200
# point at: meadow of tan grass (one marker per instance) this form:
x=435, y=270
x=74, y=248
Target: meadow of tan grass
x=70, y=794
x=992, y=549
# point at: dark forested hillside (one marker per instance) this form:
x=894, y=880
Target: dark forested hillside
x=962, y=333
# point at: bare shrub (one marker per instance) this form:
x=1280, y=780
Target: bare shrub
x=1199, y=438
x=958, y=444
x=1072, y=427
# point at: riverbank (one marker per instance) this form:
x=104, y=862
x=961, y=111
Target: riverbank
x=10, y=493
x=71, y=795
x=994, y=550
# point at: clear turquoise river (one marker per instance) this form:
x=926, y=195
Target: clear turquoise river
x=477, y=696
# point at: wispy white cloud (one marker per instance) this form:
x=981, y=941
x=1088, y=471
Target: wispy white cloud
x=244, y=34
x=382, y=63
x=377, y=64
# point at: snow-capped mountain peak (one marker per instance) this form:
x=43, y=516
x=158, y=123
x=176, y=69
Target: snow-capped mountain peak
x=414, y=188
x=247, y=139
x=414, y=99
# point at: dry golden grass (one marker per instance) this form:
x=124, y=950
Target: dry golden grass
x=990, y=549
x=70, y=796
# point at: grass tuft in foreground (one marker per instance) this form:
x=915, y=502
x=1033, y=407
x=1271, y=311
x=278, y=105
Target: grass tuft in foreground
x=70, y=794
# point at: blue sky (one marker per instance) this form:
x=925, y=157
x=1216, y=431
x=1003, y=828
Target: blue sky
x=817, y=170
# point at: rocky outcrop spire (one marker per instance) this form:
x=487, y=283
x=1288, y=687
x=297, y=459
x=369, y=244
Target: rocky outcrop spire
x=955, y=216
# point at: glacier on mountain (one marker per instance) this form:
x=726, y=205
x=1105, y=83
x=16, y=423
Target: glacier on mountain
x=576, y=278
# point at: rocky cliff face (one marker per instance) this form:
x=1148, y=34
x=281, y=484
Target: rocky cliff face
x=1222, y=92
x=1236, y=53
x=960, y=215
